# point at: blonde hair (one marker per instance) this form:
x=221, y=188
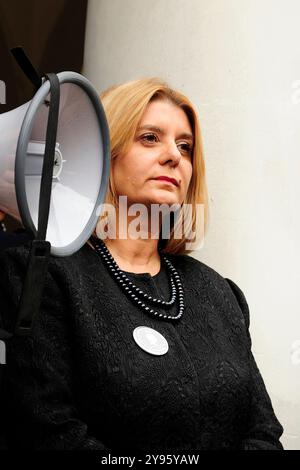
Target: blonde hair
x=124, y=106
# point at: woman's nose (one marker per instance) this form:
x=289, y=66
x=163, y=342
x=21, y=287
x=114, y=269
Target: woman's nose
x=172, y=152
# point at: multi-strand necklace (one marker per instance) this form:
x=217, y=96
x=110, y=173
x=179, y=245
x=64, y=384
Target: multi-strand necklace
x=138, y=296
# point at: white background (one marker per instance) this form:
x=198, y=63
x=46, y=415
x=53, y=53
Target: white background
x=239, y=62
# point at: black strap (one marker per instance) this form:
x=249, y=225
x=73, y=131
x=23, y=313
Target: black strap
x=48, y=163
x=39, y=254
x=27, y=67
x=40, y=248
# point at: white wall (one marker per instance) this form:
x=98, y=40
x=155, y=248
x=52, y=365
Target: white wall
x=239, y=62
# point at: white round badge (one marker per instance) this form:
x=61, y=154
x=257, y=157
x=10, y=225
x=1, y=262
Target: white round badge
x=150, y=340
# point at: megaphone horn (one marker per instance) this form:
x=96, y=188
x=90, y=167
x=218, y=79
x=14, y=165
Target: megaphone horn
x=80, y=167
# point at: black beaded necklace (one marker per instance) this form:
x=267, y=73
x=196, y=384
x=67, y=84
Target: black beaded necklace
x=134, y=292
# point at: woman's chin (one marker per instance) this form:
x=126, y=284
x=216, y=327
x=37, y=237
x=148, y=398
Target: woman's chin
x=163, y=197
x=168, y=201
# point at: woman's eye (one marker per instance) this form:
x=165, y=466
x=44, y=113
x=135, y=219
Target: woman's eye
x=187, y=148
x=149, y=137
x=184, y=147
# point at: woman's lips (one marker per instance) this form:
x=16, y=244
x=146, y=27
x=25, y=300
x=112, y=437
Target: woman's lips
x=167, y=179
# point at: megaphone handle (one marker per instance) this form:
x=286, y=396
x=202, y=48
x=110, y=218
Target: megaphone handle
x=33, y=286
x=40, y=248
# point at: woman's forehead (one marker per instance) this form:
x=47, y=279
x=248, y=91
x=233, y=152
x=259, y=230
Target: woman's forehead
x=160, y=113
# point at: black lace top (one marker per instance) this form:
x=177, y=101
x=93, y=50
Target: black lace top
x=82, y=382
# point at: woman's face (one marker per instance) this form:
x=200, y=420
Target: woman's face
x=163, y=146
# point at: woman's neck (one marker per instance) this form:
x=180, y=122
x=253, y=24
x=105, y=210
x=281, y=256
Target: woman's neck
x=138, y=256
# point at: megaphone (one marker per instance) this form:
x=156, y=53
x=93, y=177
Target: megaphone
x=81, y=162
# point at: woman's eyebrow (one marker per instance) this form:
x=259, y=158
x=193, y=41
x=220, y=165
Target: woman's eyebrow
x=150, y=127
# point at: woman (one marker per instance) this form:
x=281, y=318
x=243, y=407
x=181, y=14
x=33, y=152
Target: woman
x=92, y=376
